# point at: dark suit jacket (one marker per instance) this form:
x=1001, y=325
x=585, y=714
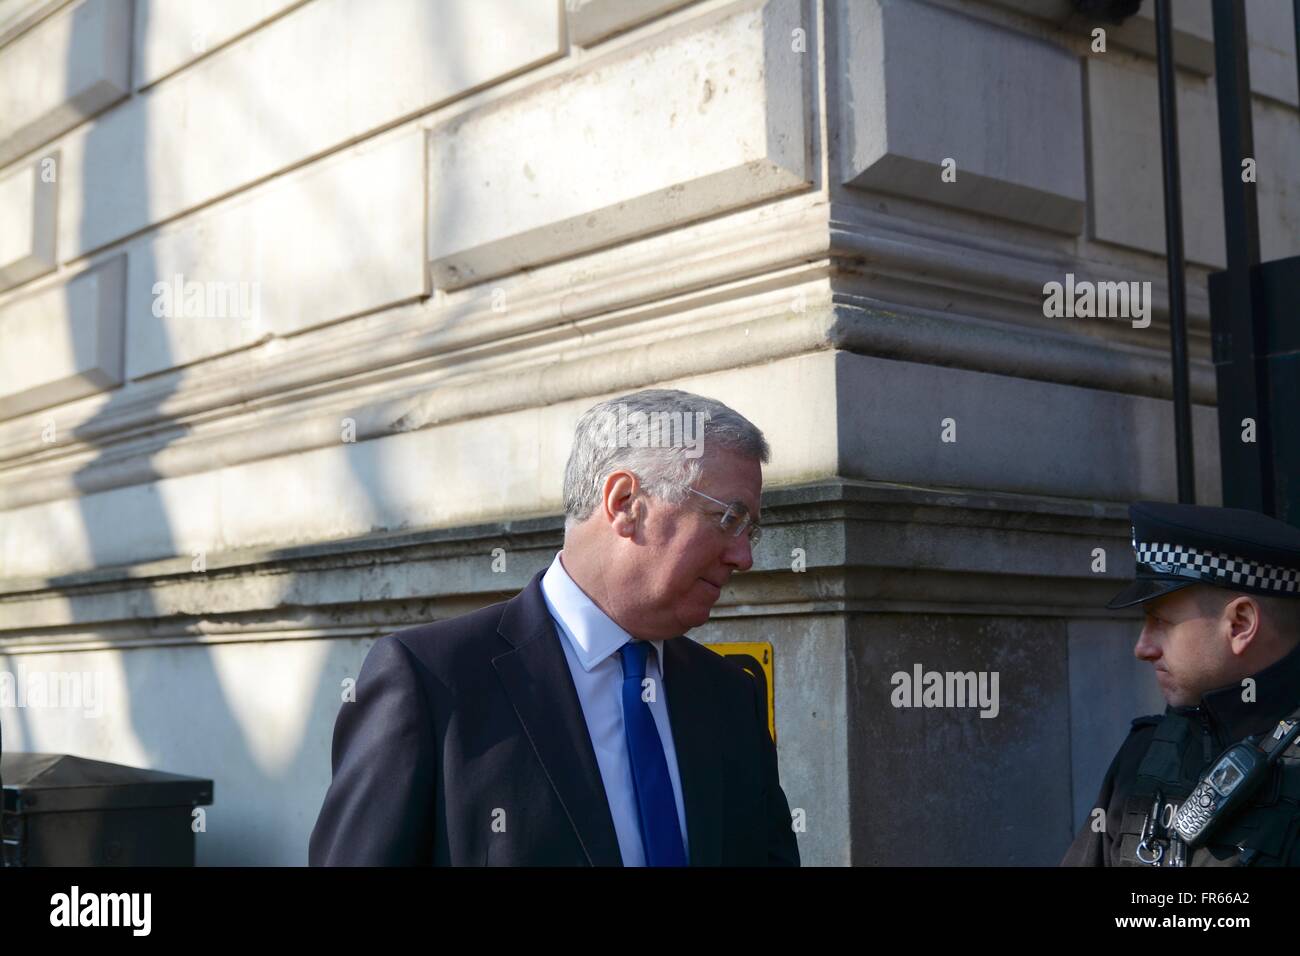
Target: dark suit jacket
x=475, y=720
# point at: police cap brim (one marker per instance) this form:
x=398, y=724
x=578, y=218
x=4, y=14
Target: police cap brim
x=1145, y=589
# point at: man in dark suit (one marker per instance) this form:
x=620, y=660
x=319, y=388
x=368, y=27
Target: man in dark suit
x=574, y=724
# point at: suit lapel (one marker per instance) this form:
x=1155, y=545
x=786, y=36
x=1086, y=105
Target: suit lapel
x=536, y=678
x=692, y=712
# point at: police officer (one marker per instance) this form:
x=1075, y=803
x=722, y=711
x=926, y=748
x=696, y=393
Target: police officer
x=1221, y=591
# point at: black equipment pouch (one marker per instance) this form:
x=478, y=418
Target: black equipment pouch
x=1244, y=810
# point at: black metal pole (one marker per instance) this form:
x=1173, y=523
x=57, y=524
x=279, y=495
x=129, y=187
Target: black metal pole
x=1295, y=23
x=1242, y=385
x=1174, y=255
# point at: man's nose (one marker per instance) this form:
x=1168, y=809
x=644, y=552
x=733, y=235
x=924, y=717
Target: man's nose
x=740, y=553
x=1146, y=648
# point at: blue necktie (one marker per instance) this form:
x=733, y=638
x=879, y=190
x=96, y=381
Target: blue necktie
x=660, y=833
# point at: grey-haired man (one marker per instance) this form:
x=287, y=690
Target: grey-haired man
x=575, y=724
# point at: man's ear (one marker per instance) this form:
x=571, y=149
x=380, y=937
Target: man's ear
x=622, y=503
x=1242, y=620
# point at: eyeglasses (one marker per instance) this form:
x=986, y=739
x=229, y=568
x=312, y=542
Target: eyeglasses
x=736, y=519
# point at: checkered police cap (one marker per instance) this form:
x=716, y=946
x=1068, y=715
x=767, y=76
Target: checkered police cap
x=1177, y=546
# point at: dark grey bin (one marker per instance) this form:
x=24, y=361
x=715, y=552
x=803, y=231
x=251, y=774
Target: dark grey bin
x=61, y=810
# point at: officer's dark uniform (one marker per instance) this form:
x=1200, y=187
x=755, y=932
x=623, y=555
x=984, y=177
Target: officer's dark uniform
x=1178, y=546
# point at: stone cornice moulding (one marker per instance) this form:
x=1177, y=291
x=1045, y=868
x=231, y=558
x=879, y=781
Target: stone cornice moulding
x=197, y=423
x=656, y=355
x=860, y=528
x=603, y=282
x=1001, y=348
x=785, y=232
x=541, y=379
x=1014, y=272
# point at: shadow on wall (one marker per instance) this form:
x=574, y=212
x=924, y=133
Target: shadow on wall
x=210, y=710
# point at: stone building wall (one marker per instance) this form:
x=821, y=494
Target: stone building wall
x=300, y=301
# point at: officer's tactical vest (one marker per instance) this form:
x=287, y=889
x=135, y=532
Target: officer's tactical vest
x=1269, y=825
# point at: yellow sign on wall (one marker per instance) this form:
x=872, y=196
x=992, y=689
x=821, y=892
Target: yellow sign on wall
x=757, y=659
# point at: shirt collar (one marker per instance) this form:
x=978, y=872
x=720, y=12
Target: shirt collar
x=592, y=633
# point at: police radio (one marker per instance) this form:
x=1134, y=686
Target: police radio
x=1230, y=782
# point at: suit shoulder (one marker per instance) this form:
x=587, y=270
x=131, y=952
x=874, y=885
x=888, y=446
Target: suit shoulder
x=1139, y=722
x=441, y=643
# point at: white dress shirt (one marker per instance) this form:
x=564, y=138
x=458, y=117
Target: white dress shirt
x=591, y=644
